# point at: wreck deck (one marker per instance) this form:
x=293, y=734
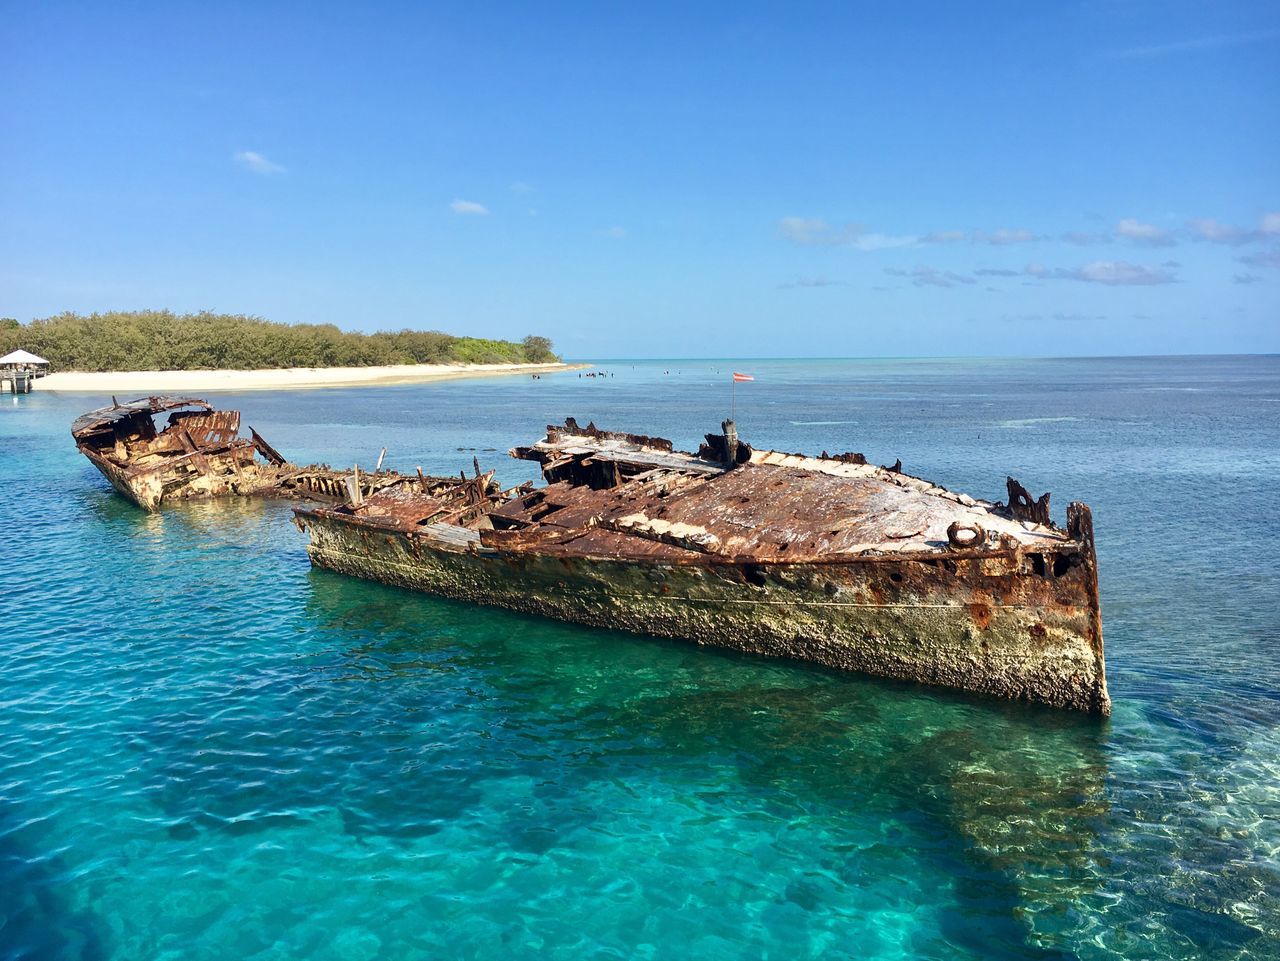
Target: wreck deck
x=775, y=508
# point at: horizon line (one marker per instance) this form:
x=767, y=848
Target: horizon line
x=586, y=359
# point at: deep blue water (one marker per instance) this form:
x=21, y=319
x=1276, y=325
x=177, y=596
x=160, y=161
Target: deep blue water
x=208, y=750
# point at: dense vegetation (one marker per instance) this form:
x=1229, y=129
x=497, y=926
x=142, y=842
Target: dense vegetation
x=162, y=340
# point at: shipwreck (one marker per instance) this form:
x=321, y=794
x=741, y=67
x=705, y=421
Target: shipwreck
x=827, y=559
x=197, y=452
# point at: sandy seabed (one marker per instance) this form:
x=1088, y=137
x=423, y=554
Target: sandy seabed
x=293, y=378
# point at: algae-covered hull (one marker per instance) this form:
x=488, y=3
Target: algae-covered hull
x=836, y=562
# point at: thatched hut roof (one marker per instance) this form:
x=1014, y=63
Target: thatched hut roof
x=22, y=357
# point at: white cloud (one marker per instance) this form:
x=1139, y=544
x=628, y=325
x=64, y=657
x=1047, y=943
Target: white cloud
x=469, y=207
x=1198, y=43
x=816, y=232
x=1116, y=273
x=1147, y=234
x=930, y=276
x=1001, y=238
x=252, y=160
x=1063, y=318
x=808, y=231
x=810, y=282
x=520, y=187
x=1083, y=238
x=1111, y=272
x=614, y=233
x=1219, y=233
x=882, y=241
x=1263, y=258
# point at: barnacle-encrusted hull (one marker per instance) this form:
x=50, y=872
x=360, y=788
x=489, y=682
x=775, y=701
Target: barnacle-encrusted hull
x=977, y=624
x=657, y=542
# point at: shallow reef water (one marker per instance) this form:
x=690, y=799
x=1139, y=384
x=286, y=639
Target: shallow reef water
x=210, y=750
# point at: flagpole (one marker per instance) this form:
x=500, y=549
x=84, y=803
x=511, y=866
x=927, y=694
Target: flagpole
x=733, y=398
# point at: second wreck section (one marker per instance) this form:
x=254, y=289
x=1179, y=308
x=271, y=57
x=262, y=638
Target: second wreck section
x=196, y=452
x=825, y=559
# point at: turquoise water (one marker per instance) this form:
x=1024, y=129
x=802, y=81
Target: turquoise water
x=208, y=750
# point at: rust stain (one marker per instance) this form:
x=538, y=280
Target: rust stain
x=981, y=615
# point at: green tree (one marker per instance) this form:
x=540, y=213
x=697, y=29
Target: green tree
x=163, y=340
x=537, y=350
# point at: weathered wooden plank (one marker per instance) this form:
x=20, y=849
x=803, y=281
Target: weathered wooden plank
x=451, y=534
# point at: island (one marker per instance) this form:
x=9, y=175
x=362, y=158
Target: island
x=153, y=351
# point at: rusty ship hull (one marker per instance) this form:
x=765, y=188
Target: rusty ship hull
x=827, y=560
x=197, y=454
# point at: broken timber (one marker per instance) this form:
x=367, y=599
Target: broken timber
x=825, y=559
x=198, y=453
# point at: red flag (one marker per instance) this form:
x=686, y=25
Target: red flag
x=739, y=378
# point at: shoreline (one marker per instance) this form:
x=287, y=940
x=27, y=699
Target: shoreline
x=288, y=378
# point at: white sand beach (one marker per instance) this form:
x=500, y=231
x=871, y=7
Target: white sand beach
x=293, y=378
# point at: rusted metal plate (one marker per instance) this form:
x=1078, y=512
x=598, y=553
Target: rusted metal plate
x=105, y=416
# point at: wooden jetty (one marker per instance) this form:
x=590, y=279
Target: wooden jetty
x=19, y=370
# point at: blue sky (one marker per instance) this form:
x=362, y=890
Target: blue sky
x=657, y=180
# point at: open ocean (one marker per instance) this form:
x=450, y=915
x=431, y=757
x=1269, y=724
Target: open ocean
x=210, y=751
